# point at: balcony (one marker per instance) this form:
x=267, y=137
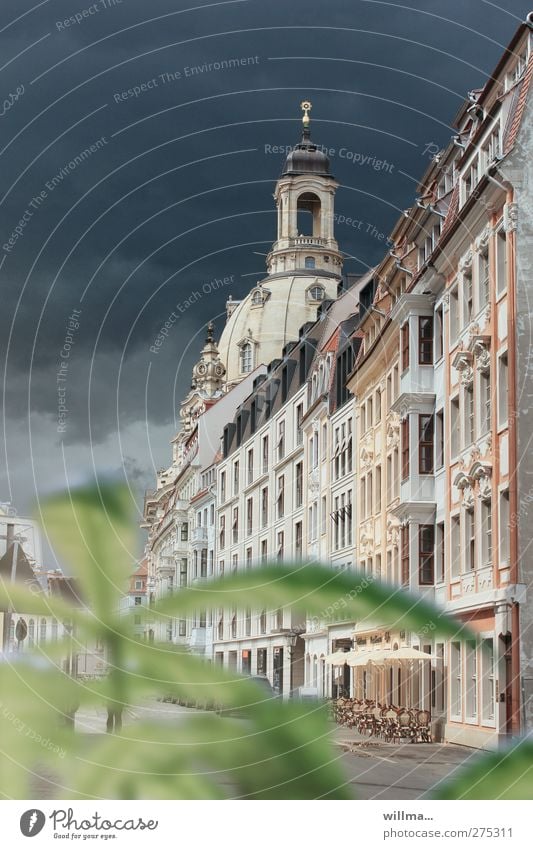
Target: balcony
x=199, y=534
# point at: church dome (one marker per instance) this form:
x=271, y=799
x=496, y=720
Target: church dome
x=270, y=316
x=306, y=158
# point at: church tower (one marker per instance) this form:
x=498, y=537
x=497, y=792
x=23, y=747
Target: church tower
x=304, y=266
x=305, y=196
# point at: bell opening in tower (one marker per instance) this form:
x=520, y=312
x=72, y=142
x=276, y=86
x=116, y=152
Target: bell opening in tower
x=308, y=209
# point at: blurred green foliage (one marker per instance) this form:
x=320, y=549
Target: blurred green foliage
x=279, y=750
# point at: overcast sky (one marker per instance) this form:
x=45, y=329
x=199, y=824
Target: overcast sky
x=173, y=191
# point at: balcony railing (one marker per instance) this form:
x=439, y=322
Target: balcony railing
x=199, y=534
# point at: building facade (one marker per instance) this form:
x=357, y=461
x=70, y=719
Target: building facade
x=379, y=425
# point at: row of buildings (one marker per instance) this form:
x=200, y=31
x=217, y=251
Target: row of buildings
x=378, y=424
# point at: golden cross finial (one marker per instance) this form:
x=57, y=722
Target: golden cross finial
x=306, y=107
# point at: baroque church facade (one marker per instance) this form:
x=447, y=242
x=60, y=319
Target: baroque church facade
x=379, y=425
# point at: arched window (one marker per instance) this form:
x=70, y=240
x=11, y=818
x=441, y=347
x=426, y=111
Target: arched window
x=263, y=622
x=220, y=629
x=31, y=632
x=247, y=356
x=42, y=631
x=309, y=262
x=257, y=298
x=234, y=626
x=308, y=215
x=316, y=293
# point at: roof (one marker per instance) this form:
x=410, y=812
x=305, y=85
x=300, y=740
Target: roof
x=24, y=573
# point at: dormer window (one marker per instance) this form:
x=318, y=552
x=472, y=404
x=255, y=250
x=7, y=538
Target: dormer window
x=246, y=357
x=309, y=262
x=257, y=298
x=316, y=293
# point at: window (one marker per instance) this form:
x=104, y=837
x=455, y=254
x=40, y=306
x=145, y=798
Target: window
x=470, y=540
x=236, y=478
x=250, y=466
x=316, y=293
x=455, y=679
x=234, y=563
x=454, y=427
x=235, y=525
x=484, y=402
x=389, y=479
x=185, y=532
x=280, y=500
x=42, y=631
x=222, y=487
x=265, y=454
x=281, y=440
x=264, y=550
x=54, y=630
x=262, y=660
x=221, y=568
x=426, y=555
x=405, y=555
x=486, y=532
x=264, y=507
x=455, y=546
x=440, y=553
x=249, y=515
x=425, y=445
x=483, y=278
x=247, y=627
x=405, y=345
x=471, y=680
x=468, y=297
x=299, y=484
x=469, y=414
x=183, y=572
x=503, y=390
x=377, y=494
x=246, y=357
x=488, y=694
x=234, y=625
x=248, y=558
x=298, y=540
x=280, y=545
x=222, y=532
x=439, y=324
x=504, y=527
x=309, y=262
x=425, y=340
x=369, y=488
x=299, y=419
x=454, y=314
x=378, y=406
x=439, y=439
x=263, y=623
x=182, y=629
x=501, y=262
x=405, y=448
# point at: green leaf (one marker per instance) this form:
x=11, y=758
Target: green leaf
x=320, y=592
x=507, y=774
x=94, y=532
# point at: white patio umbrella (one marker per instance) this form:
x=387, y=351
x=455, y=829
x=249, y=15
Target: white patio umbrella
x=338, y=658
x=408, y=653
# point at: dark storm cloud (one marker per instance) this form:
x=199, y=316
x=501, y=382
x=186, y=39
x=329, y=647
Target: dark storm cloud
x=135, y=170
